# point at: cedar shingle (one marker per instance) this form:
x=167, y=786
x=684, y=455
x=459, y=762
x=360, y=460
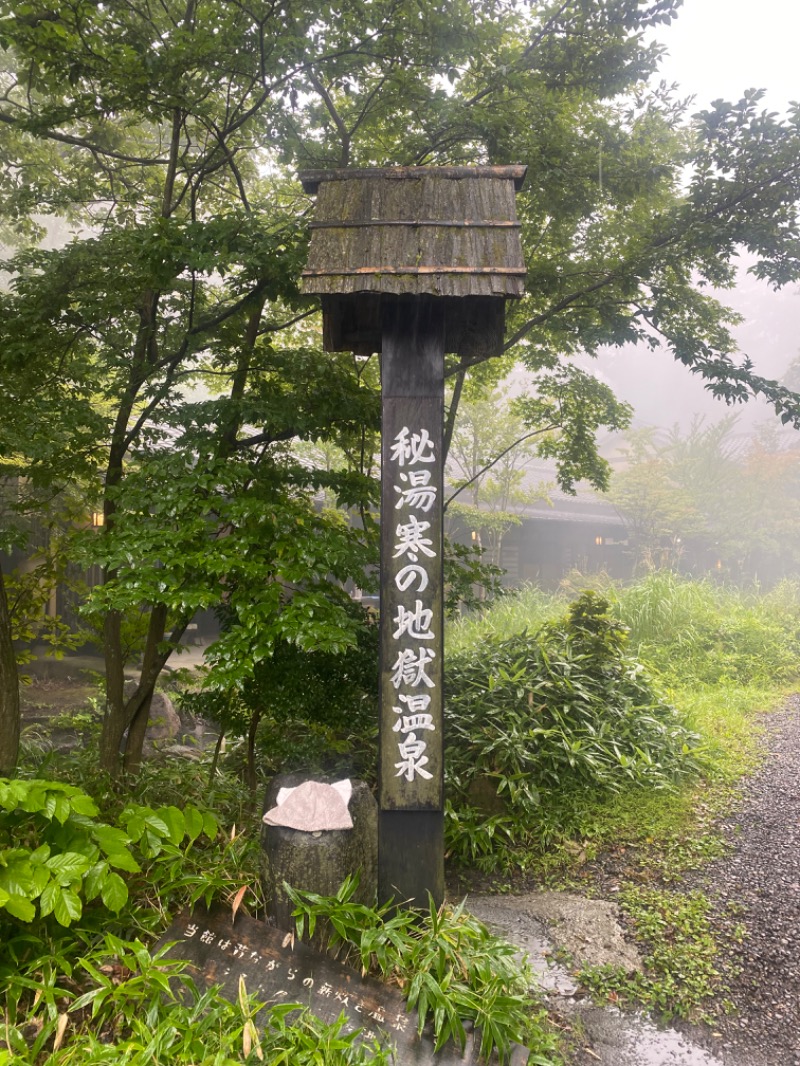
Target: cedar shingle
x=444, y=231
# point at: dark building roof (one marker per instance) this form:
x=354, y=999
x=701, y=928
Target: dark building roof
x=563, y=508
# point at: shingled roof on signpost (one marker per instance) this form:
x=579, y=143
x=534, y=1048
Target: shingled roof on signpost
x=445, y=232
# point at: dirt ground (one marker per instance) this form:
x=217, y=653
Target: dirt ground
x=49, y=697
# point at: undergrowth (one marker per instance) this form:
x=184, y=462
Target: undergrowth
x=721, y=657
x=563, y=742
x=446, y=963
x=680, y=972
x=82, y=900
x=540, y=722
x=620, y=723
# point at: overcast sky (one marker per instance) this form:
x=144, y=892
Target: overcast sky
x=722, y=47
x=719, y=48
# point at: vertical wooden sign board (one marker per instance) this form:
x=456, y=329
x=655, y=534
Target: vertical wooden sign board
x=411, y=778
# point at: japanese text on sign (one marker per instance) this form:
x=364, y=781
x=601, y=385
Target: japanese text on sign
x=295, y=982
x=410, y=455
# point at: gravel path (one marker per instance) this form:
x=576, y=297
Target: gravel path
x=761, y=874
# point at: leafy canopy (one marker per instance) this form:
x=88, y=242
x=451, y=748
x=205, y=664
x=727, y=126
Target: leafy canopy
x=164, y=359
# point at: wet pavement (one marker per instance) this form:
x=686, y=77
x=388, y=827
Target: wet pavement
x=604, y=1035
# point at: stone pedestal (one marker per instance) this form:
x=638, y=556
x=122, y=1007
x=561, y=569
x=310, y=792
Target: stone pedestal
x=319, y=862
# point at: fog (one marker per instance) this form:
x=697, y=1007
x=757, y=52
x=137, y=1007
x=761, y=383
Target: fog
x=663, y=392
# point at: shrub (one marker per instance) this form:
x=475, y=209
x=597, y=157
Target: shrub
x=535, y=715
x=313, y=709
x=67, y=878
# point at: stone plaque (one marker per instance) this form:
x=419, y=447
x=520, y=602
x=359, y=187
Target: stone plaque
x=277, y=970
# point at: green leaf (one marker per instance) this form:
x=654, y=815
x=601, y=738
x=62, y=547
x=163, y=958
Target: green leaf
x=40, y=880
x=110, y=838
x=94, y=879
x=123, y=860
x=210, y=825
x=134, y=824
x=114, y=893
x=16, y=876
x=41, y=855
x=68, y=867
x=19, y=907
x=67, y=907
x=156, y=825
x=174, y=821
x=47, y=900
x=194, y=822
x=83, y=804
x=61, y=808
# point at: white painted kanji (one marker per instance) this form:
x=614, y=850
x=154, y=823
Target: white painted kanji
x=410, y=540
x=413, y=759
x=410, y=723
x=411, y=448
x=416, y=491
x=416, y=622
x=405, y=578
x=409, y=668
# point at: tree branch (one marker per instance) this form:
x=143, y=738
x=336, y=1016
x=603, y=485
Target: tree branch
x=450, y=424
x=339, y=122
x=496, y=460
x=265, y=438
x=81, y=142
x=291, y=322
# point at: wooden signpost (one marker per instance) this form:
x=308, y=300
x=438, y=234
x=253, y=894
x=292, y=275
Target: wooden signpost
x=413, y=263
x=411, y=768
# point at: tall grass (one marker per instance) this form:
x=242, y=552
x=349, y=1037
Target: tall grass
x=700, y=632
x=718, y=655
x=686, y=631
x=528, y=609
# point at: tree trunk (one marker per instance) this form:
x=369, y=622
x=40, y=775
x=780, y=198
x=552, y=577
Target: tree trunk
x=132, y=759
x=212, y=773
x=250, y=773
x=9, y=690
x=114, y=722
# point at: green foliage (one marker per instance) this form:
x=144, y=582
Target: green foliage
x=470, y=581
x=533, y=717
x=161, y=361
x=303, y=708
x=92, y=992
x=702, y=498
x=76, y=979
x=685, y=630
x=142, y=1008
x=56, y=857
x=489, y=450
x=339, y=690
x=696, y=631
x=569, y=408
x=449, y=967
x=680, y=970
x=719, y=652
x=526, y=609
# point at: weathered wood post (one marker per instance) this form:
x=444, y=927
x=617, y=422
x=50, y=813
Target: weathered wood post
x=413, y=262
